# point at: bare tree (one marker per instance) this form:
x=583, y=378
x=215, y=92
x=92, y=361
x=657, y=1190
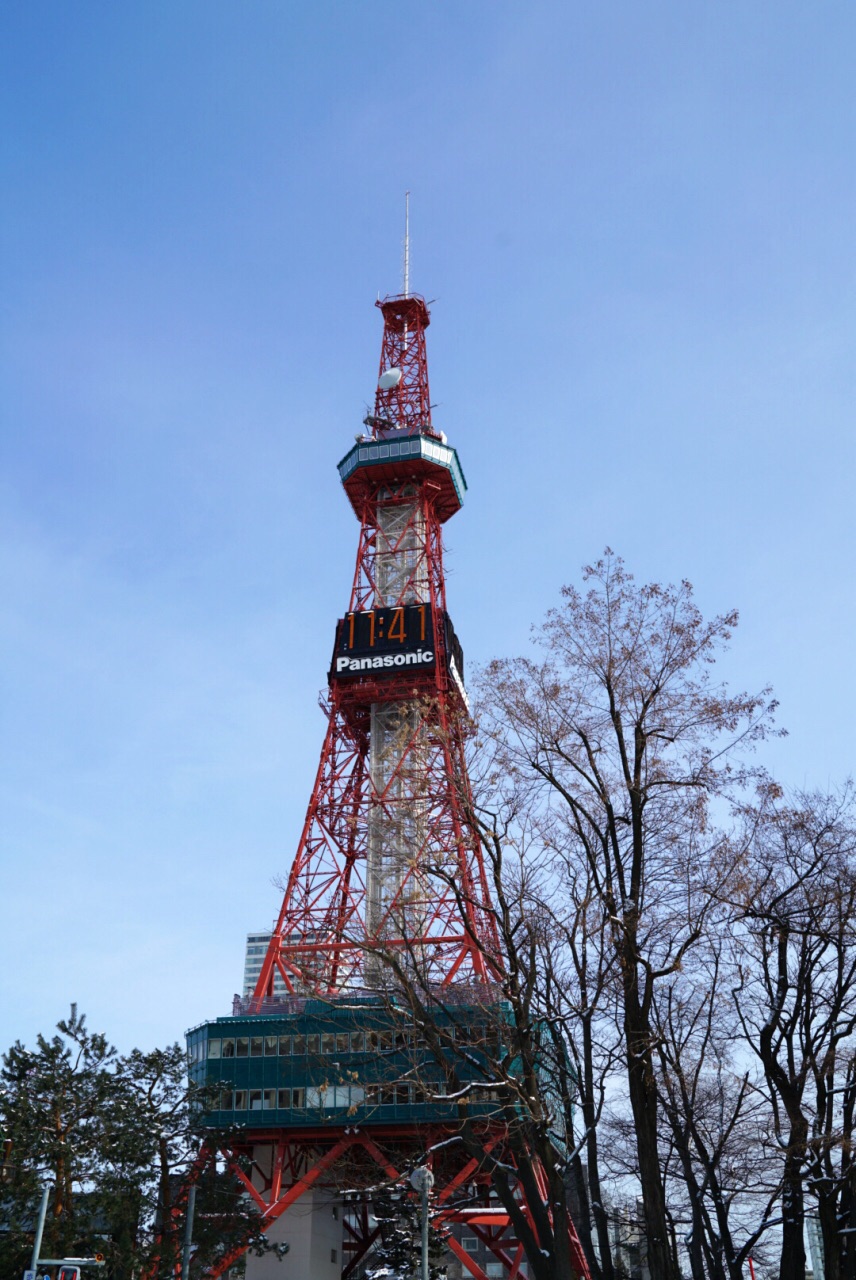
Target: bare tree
x=577, y=986
x=796, y=1000
x=514, y=1057
x=618, y=737
x=716, y=1116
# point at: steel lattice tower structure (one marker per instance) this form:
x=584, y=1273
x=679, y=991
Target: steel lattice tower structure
x=388, y=865
x=387, y=854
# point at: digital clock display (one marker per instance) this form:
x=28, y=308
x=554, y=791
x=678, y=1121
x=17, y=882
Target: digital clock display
x=385, y=641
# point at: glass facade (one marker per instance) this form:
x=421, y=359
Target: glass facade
x=298, y=1068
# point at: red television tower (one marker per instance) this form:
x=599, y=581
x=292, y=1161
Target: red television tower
x=387, y=855
x=388, y=863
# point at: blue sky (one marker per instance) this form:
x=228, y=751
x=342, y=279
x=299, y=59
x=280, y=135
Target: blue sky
x=637, y=223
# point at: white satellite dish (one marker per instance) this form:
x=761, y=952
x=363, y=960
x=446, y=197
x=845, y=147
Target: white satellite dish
x=388, y=380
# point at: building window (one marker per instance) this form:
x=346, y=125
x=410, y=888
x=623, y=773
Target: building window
x=271, y=1044
x=228, y=1048
x=269, y=1100
x=255, y=1099
x=242, y=1046
x=298, y=1044
x=213, y=1048
x=285, y=1044
x=357, y=1042
x=470, y=1243
x=284, y=1099
x=328, y=1043
x=227, y=1100
x=240, y=1099
x=256, y=1046
x=313, y=1044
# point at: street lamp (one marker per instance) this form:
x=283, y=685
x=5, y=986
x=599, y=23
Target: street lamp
x=422, y=1180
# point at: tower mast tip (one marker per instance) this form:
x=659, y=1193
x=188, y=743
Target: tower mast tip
x=407, y=244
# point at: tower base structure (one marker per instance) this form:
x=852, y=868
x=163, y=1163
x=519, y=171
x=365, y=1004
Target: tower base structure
x=321, y=1104
x=312, y=1229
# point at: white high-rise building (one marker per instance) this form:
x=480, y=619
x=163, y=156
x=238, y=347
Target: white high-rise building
x=257, y=945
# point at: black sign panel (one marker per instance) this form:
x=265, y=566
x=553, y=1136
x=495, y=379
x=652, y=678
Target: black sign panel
x=454, y=652
x=384, y=642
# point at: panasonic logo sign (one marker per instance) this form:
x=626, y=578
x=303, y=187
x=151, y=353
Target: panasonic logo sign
x=421, y=658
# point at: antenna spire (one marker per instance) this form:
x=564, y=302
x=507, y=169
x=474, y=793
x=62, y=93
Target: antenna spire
x=407, y=244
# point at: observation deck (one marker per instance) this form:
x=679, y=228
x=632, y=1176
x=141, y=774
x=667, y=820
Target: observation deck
x=332, y=1065
x=397, y=458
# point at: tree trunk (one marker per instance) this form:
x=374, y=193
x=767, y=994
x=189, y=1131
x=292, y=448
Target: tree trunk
x=793, y=1210
x=582, y=1216
x=697, y=1235
x=662, y=1264
x=587, y=1108
x=827, y=1213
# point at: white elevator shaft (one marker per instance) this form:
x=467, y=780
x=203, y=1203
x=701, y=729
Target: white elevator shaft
x=396, y=818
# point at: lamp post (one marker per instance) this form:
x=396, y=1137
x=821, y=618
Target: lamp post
x=422, y=1180
x=40, y=1227
x=188, y=1232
